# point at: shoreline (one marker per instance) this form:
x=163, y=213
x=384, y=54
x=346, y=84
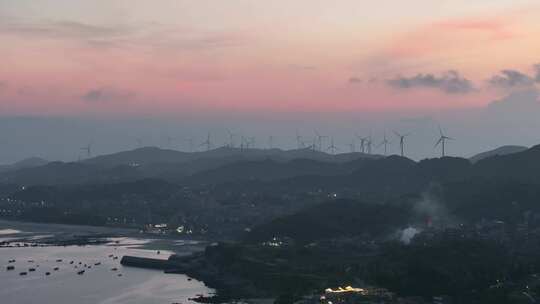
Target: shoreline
x=186, y=258
x=20, y=225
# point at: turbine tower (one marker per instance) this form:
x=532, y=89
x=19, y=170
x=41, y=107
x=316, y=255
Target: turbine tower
x=88, y=150
x=169, y=141
x=313, y=145
x=332, y=147
x=243, y=143
x=191, y=142
x=362, y=143
x=442, y=141
x=320, y=138
x=369, y=143
x=402, y=142
x=299, y=141
x=270, y=142
x=231, y=138
x=385, y=142
x=207, y=143
x=352, y=146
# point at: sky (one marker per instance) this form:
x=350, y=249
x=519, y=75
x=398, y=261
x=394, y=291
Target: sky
x=111, y=71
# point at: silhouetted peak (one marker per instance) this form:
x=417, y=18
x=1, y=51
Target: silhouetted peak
x=504, y=150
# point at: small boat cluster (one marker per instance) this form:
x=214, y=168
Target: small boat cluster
x=79, y=267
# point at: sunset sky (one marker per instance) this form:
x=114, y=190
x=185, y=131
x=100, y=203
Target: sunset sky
x=135, y=59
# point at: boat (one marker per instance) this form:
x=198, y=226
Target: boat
x=81, y=272
x=10, y=267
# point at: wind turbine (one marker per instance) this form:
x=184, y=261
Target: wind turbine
x=231, y=138
x=320, y=139
x=270, y=142
x=313, y=145
x=169, y=141
x=207, y=143
x=402, y=142
x=243, y=143
x=332, y=147
x=362, y=143
x=369, y=142
x=190, y=141
x=352, y=146
x=309, y=144
x=442, y=141
x=88, y=150
x=299, y=141
x=385, y=142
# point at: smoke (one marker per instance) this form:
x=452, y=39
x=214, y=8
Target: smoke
x=430, y=212
x=430, y=208
x=407, y=234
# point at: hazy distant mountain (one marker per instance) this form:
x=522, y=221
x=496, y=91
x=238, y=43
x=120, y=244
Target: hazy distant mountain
x=523, y=166
x=152, y=155
x=55, y=173
x=228, y=164
x=267, y=170
x=25, y=163
x=504, y=150
x=298, y=169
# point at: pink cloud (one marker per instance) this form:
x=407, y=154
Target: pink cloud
x=497, y=28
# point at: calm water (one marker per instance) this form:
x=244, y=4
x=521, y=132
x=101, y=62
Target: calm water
x=99, y=284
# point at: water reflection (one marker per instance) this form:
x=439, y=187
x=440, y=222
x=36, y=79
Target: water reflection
x=104, y=280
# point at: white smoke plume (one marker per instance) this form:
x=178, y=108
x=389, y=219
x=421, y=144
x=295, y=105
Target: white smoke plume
x=408, y=234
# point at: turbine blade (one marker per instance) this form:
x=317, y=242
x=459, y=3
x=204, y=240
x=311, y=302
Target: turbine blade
x=439, y=142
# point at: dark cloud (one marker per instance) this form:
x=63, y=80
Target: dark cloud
x=450, y=82
x=106, y=94
x=509, y=79
x=355, y=80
